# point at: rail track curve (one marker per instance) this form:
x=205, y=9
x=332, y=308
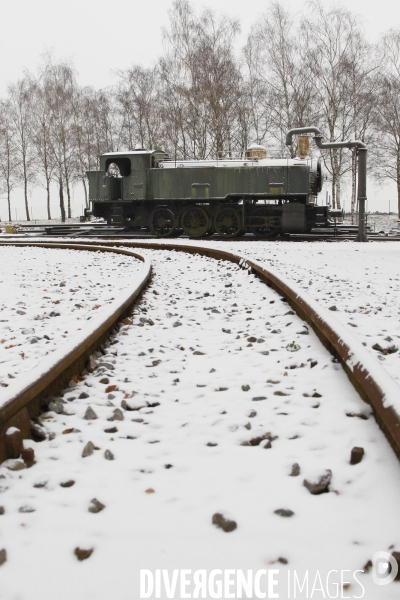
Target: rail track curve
x=371, y=381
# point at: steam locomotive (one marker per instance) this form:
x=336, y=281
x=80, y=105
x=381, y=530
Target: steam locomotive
x=146, y=190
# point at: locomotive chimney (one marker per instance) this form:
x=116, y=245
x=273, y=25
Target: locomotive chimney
x=304, y=147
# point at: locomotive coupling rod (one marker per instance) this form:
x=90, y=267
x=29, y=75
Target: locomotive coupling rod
x=362, y=168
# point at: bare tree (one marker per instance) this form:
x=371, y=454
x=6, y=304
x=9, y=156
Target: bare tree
x=20, y=113
x=8, y=154
x=335, y=51
x=202, y=83
x=280, y=76
x=387, y=121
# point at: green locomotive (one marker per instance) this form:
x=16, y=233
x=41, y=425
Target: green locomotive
x=146, y=190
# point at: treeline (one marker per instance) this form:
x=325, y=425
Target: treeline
x=207, y=97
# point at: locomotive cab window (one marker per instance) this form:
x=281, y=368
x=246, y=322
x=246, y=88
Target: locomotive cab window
x=119, y=165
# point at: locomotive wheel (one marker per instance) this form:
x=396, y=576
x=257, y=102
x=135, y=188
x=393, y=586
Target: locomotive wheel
x=228, y=222
x=268, y=229
x=195, y=222
x=162, y=222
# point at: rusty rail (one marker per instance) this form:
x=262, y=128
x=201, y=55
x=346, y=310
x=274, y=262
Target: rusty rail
x=26, y=400
x=371, y=381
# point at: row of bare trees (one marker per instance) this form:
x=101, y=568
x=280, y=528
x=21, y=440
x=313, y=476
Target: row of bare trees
x=206, y=97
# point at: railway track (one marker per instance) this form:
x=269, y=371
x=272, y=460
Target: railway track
x=169, y=448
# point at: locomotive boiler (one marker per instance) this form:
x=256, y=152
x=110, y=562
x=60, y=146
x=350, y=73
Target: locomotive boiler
x=146, y=190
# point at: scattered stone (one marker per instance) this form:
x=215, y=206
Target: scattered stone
x=90, y=415
x=321, y=485
x=252, y=339
x=211, y=444
x=88, y=449
x=333, y=308
x=108, y=455
x=40, y=484
x=38, y=434
x=118, y=415
x=282, y=560
x=111, y=430
x=247, y=426
x=71, y=430
x=28, y=456
x=26, y=509
x=260, y=341
x=83, y=395
x=284, y=512
x=150, y=491
x=279, y=393
x=362, y=416
x=313, y=363
x=387, y=350
x=3, y=556
x=295, y=472
x=168, y=466
x=267, y=445
x=104, y=380
x=260, y=438
x=225, y=524
x=259, y=398
x=177, y=324
x=14, y=444
x=357, y=454
x=316, y=395
x=96, y=506
x=2, y=511
x=56, y=407
x=82, y=554
x=245, y=387
x=252, y=414
x=198, y=353
x=67, y=484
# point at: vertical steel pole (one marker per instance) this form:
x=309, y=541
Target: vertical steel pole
x=362, y=193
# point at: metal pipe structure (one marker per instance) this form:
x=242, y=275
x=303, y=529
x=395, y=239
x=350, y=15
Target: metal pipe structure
x=362, y=168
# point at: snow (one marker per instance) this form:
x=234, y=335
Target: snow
x=184, y=365
x=50, y=298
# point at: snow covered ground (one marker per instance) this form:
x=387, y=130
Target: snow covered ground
x=216, y=400
x=46, y=295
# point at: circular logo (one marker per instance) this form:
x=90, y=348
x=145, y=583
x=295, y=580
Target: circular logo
x=385, y=568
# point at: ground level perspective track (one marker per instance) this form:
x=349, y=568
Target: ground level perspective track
x=215, y=400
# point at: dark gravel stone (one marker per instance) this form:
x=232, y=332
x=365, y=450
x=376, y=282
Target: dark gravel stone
x=2, y=511
x=118, y=415
x=245, y=387
x=284, y=512
x=252, y=414
x=82, y=554
x=108, y=455
x=96, y=506
x=295, y=472
x=321, y=485
x=111, y=430
x=83, y=395
x=90, y=415
x=3, y=556
x=67, y=484
x=225, y=524
x=104, y=380
x=357, y=454
x=259, y=398
x=88, y=450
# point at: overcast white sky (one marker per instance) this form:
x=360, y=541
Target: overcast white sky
x=101, y=36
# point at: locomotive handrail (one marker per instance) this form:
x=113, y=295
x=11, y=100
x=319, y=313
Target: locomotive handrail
x=362, y=168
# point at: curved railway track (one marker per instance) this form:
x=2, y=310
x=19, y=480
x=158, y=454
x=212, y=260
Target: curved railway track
x=370, y=380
